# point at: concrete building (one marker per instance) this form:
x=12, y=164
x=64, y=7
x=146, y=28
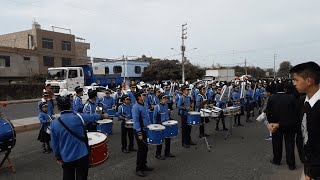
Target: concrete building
x=17, y=64
x=53, y=49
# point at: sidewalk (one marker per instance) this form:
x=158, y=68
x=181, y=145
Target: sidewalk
x=22, y=101
x=26, y=124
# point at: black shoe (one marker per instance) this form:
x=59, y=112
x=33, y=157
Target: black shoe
x=125, y=150
x=206, y=135
x=275, y=163
x=192, y=143
x=292, y=167
x=240, y=124
x=170, y=155
x=201, y=136
x=147, y=168
x=217, y=129
x=225, y=129
x=132, y=150
x=185, y=146
x=50, y=149
x=46, y=151
x=235, y=125
x=160, y=157
x=140, y=173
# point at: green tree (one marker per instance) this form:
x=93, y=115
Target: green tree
x=284, y=69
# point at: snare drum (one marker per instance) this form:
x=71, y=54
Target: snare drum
x=194, y=118
x=98, y=148
x=129, y=124
x=215, y=113
x=205, y=113
x=230, y=111
x=155, y=134
x=105, y=126
x=171, y=129
x=7, y=135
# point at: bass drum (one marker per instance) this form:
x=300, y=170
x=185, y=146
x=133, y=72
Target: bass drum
x=7, y=135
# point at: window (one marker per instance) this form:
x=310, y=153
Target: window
x=106, y=70
x=81, y=73
x=4, y=61
x=48, y=61
x=66, y=45
x=26, y=58
x=72, y=73
x=65, y=62
x=47, y=43
x=137, y=69
x=117, y=69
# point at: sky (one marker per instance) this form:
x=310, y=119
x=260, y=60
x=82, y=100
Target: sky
x=224, y=32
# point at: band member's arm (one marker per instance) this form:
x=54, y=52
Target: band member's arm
x=88, y=118
x=180, y=103
x=42, y=119
x=120, y=115
x=135, y=117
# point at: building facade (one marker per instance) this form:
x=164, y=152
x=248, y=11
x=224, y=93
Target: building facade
x=53, y=49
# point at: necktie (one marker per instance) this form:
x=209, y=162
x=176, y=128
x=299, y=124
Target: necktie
x=307, y=107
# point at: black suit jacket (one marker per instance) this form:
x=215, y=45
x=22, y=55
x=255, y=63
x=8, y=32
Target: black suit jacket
x=282, y=109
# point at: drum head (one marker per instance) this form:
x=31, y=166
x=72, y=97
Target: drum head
x=129, y=122
x=205, y=110
x=156, y=127
x=96, y=138
x=194, y=113
x=169, y=123
x=104, y=121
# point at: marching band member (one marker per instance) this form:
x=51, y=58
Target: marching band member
x=77, y=100
x=306, y=78
x=70, y=151
x=117, y=97
x=50, y=94
x=45, y=120
x=184, y=106
x=258, y=95
x=236, y=101
x=90, y=108
x=156, y=99
x=249, y=102
x=201, y=102
x=124, y=115
x=221, y=104
x=131, y=94
x=45, y=98
x=162, y=114
x=141, y=120
x=106, y=102
x=177, y=96
x=211, y=93
x=168, y=94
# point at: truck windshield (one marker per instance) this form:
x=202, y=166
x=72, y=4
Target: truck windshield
x=56, y=74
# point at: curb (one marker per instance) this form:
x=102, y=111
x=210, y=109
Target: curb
x=22, y=101
x=26, y=128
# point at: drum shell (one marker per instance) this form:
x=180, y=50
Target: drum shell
x=215, y=114
x=7, y=135
x=193, y=119
x=128, y=125
x=105, y=127
x=171, y=131
x=155, y=137
x=98, y=153
x=203, y=113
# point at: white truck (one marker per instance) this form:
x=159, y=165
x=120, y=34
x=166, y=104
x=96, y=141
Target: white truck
x=220, y=75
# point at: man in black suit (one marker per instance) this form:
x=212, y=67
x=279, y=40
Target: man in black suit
x=282, y=116
x=306, y=77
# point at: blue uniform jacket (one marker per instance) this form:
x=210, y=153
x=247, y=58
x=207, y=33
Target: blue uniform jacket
x=220, y=104
x=210, y=95
x=124, y=111
x=44, y=119
x=140, y=113
x=65, y=145
x=106, y=103
x=161, y=113
x=183, y=103
x=249, y=94
x=50, y=107
x=89, y=107
x=77, y=104
x=199, y=99
x=131, y=96
x=167, y=93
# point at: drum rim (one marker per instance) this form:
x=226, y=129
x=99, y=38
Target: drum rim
x=105, y=140
x=194, y=113
x=103, y=121
x=162, y=127
x=14, y=134
x=174, y=123
x=206, y=110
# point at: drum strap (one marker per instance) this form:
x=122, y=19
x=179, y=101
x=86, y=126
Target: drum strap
x=83, y=139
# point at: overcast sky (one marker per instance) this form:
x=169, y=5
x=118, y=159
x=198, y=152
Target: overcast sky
x=223, y=31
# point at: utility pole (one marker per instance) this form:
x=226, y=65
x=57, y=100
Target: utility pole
x=274, y=65
x=245, y=66
x=183, y=48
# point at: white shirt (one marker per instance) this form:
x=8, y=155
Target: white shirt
x=312, y=101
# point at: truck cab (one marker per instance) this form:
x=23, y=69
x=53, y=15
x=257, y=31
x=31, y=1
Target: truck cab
x=65, y=78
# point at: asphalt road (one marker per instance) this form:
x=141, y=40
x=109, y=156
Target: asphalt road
x=19, y=111
x=245, y=155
